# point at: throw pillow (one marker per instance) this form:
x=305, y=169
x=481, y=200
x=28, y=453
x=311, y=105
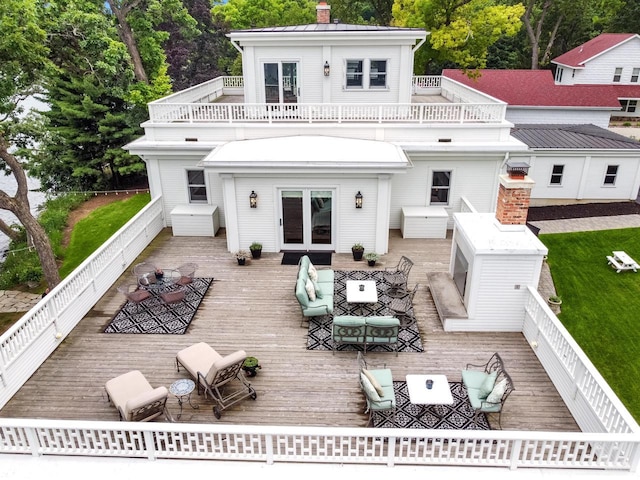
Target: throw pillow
x=374, y=381
x=498, y=391
x=313, y=273
x=487, y=385
x=316, y=287
x=369, y=391
x=310, y=290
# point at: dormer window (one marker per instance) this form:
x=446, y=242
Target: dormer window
x=354, y=73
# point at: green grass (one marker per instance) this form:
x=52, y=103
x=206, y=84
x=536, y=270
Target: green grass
x=601, y=308
x=94, y=230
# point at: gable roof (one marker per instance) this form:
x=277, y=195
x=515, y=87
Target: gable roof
x=572, y=136
x=537, y=88
x=580, y=55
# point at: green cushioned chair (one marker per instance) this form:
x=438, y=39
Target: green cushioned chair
x=382, y=398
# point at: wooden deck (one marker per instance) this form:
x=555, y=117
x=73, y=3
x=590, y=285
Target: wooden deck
x=253, y=308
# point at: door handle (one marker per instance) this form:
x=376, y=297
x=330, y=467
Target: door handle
x=280, y=222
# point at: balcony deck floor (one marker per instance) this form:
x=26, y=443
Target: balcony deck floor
x=253, y=308
x=414, y=99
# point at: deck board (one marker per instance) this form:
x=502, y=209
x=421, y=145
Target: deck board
x=253, y=308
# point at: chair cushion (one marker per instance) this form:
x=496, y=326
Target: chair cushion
x=374, y=381
x=473, y=378
x=198, y=358
x=301, y=292
x=326, y=276
x=224, y=362
x=387, y=401
x=143, y=399
x=368, y=388
x=498, y=391
x=311, y=291
x=384, y=376
x=348, y=320
x=488, y=384
x=173, y=297
x=138, y=296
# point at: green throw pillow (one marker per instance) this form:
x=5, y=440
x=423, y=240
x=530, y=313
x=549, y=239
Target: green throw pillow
x=487, y=386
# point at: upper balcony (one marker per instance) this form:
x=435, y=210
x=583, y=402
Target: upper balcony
x=437, y=103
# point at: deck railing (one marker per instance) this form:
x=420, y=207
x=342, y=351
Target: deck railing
x=28, y=343
x=612, y=441
x=194, y=106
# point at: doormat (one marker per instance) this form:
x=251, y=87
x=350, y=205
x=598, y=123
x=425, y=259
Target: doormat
x=459, y=416
x=319, y=337
x=317, y=258
x=154, y=316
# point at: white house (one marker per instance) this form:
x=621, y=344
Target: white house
x=609, y=59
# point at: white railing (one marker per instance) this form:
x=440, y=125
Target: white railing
x=28, y=343
x=425, y=83
x=466, y=206
x=423, y=113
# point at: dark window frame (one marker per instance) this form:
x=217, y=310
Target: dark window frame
x=197, y=190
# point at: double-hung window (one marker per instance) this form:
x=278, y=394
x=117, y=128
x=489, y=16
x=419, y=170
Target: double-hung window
x=355, y=73
x=378, y=74
x=617, y=75
x=440, y=187
x=635, y=73
x=556, y=175
x=610, y=176
x=197, y=187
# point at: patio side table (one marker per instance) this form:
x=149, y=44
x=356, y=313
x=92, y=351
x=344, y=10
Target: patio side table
x=183, y=388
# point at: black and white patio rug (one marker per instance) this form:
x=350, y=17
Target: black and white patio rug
x=458, y=416
x=319, y=337
x=154, y=316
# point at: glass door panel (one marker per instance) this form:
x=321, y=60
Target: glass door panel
x=321, y=217
x=271, y=84
x=307, y=219
x=292, y=218
x=290, y=83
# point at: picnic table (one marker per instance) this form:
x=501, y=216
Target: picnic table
x=620, y=260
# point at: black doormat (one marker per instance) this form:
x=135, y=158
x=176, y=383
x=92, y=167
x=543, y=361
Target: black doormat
x=154, y=316
x=459, y=416
x=319, y=337
x=317, y=258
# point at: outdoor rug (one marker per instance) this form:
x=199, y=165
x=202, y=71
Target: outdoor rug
x=154, y=316
x=317, y=258
x=319, y=337
x=458, y=416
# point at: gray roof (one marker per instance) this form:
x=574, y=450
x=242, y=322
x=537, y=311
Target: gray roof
x=572, y=136
x=331, y=27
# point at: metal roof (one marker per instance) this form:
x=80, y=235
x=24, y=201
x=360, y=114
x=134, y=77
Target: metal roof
x=329, y=27
x=572, y=136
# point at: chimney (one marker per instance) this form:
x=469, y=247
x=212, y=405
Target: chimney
x=512, y=206
x=323, y=12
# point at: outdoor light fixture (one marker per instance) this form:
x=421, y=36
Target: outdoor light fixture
x=327, y=69
x=358, y=200
x=253, y=199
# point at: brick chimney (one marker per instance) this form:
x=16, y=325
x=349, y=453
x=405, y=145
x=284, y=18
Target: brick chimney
x=514, y=194
x=323, y=12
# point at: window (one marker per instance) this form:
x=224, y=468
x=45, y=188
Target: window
x=629, y=106
x=559, y=74
x=634, y=75
x=440, y=187
x=556, y=175
x=617, y=75
x=610, y=176
x=354, y=73
x=197, y=187
x=378, y=74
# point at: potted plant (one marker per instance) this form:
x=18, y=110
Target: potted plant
x=241, y=256
x=358, y=251
x=371, y=258
x=251, y=366
x=555, y=300
x=256, y=249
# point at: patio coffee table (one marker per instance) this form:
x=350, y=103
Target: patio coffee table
x=438, y=394
x=360, y=292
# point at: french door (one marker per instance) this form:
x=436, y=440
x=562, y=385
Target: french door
x=281, y=82
x=307, y=219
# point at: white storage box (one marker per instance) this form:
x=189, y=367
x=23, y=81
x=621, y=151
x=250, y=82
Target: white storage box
x=194, y=220
x=424, y=222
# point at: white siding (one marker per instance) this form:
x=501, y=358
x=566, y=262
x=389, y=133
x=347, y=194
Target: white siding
x=543, y=115
x=600, y=70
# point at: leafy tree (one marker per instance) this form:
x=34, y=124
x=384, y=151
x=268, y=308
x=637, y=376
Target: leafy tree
x=375, y=12
x=461, y=31
x=626, y=18
x=243, y=14
x=24, y=59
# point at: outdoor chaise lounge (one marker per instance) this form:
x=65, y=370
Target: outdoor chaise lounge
x=220, y=377
x=135, y=398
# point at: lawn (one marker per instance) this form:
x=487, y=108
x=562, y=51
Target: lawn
x=601, y=308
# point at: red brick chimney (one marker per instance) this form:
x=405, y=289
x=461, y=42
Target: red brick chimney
x=323, y=12
x=513, y=199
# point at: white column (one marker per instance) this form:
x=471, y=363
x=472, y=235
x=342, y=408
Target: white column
x=383, y=211
x=231, y=211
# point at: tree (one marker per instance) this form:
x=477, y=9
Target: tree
x=375, y=12
x=461, y=31
x=243, y=14
x=24, y=61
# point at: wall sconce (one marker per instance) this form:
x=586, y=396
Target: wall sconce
x=358, y=200
x=327, y=69
x=253, y=199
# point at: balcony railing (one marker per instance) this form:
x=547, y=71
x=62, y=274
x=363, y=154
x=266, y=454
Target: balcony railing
x=194, y=106
x=612, y=441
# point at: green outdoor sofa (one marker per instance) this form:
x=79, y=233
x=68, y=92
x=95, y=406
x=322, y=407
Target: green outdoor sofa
x=314, y=289
x=365, y=331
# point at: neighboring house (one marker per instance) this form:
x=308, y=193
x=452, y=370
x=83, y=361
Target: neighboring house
x=533, y=97
x=608, y=59
x=581, y=163
x=323, y=113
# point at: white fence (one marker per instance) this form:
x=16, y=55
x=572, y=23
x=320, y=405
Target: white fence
x=28, y=343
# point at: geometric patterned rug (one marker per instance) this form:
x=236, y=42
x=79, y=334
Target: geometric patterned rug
x=458, y=416
x=319, y=337
x=154, y=316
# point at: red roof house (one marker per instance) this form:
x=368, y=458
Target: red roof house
x=604, y=42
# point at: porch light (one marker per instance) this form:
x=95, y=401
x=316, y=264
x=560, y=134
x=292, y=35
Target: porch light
x=517, y=169
x=327, y=69
x=358, y=200
x=253, y=199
